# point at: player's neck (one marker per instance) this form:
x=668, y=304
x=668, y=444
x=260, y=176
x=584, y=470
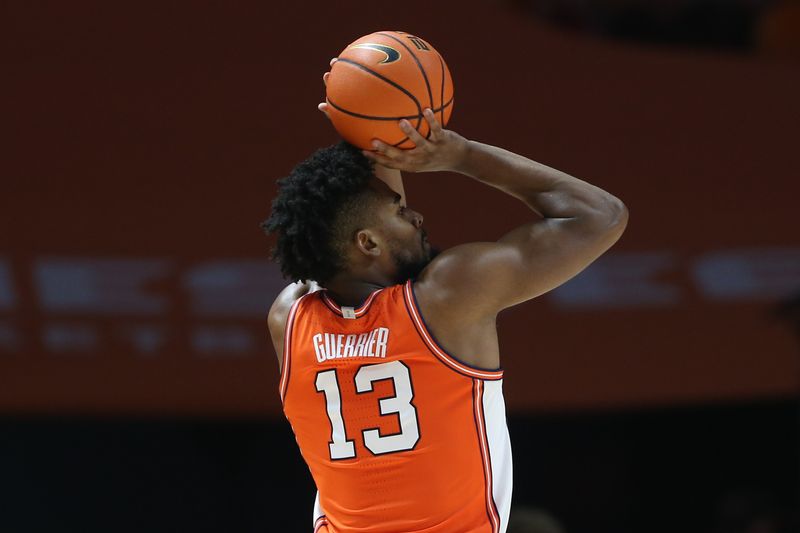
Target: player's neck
x=353, y=292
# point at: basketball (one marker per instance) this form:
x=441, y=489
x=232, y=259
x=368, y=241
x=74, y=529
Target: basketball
x=384, y=77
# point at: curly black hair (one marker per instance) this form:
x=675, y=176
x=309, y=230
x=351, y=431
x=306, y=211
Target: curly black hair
x=318, y=206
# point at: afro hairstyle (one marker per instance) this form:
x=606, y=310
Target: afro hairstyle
x=318, y=206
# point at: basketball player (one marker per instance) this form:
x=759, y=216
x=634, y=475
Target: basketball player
x=389, y=357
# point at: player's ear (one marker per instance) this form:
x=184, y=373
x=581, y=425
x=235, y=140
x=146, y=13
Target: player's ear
x=368, y=243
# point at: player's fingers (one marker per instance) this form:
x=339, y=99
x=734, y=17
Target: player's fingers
x=334, y=60
x=436, y=128
x=325, y=78
x=378, y=158
x=324, y=108
x=412, y=133
x=389, y=151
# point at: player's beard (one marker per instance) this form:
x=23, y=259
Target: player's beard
x=411, y=267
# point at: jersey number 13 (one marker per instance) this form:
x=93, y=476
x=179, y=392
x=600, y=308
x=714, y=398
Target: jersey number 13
x=400, y=404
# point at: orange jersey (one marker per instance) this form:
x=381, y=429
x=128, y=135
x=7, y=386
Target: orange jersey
x=399, y=436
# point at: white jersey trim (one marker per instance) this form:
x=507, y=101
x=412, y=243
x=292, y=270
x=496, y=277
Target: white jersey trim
x=494, y=414
x=483, y=440
x=319, y=515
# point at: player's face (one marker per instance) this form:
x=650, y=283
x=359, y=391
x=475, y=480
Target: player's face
x=409, y=249
x=404, y=237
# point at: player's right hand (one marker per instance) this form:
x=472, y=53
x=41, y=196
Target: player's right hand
x=442, y=150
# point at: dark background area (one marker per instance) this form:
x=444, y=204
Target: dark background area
x=656, y=392
x=661, y=470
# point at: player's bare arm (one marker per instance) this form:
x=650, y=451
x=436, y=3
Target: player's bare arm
x=279, y=311
x=463, y=289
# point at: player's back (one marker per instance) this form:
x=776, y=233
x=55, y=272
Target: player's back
x=398, y=435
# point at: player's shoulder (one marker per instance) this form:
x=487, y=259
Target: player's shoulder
x=279, y=311
x=452, y=282
x=457, y=257
x=458, y=267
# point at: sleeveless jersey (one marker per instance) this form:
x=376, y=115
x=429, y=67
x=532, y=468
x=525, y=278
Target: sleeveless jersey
x=399, y=436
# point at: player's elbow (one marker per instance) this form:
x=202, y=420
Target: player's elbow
x=618, y=214
x=607, y=216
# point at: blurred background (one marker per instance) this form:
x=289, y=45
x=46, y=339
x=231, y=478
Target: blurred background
x=657, y=391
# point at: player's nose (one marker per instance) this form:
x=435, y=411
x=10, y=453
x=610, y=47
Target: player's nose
x=415, y=217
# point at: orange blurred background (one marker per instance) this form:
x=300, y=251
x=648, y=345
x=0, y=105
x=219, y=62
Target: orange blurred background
x=146, y=143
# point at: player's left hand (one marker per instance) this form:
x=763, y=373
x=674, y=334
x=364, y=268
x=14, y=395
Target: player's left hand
x=442, y=150
x=324, y=106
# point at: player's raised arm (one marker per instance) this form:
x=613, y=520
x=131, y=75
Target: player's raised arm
x=579, y=222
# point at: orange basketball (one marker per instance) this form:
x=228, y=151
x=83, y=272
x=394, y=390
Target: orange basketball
x=381, y=78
